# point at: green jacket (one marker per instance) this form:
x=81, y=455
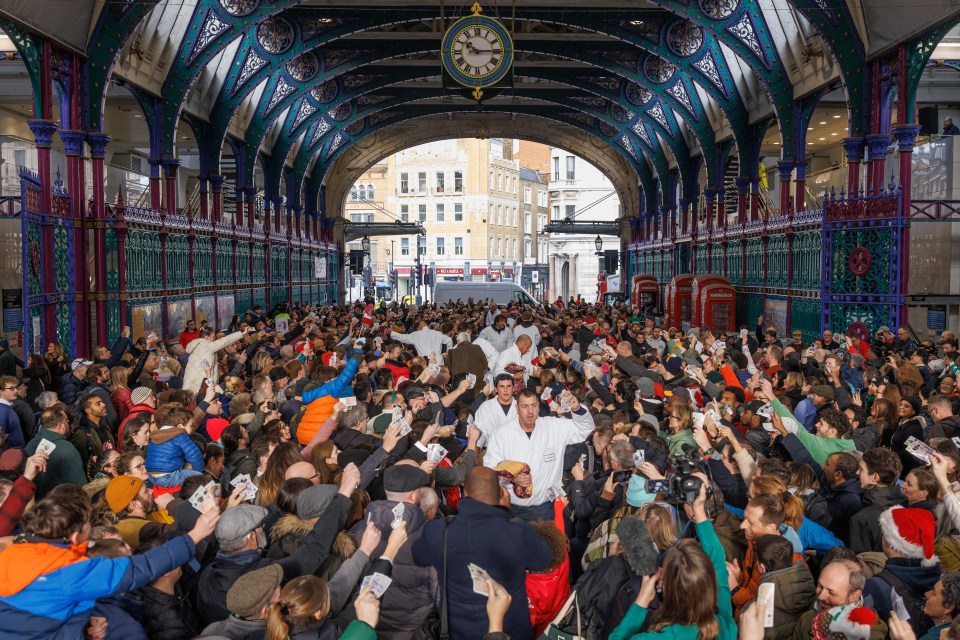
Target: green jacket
x=677, y=440
x=64, y=465
x=633, y=622
x=358, y=630
x=793, y=596
x=820, y=448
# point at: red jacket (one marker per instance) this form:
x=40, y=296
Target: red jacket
x=548, y=592
x=21, y=493
x=186, y=337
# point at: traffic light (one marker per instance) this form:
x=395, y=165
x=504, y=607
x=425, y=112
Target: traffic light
x=393, y=279
x=428, y=277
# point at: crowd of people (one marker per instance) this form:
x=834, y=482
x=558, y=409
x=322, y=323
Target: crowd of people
x=481, y=471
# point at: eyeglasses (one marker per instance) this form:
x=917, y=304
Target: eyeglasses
x=10, y=388
x=141, y=467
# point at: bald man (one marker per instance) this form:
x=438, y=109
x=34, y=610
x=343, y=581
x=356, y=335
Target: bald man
x=483, y=533
x=302, y=470
x=518, y=354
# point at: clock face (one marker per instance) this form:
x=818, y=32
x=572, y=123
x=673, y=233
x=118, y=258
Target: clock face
x=477, y=52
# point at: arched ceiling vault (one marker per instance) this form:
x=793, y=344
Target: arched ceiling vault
x=412, y=131
x=669, y=85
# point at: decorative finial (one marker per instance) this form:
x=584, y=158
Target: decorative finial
x=478, y=92
x=119, y=196
x=476, y=8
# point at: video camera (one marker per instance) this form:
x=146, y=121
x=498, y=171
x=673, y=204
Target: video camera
x=682, y=486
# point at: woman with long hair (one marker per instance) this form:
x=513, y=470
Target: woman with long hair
x=37, y=376
x=921, y=490
x=911, y=424
x=324, y=459
x=696, y=594
x=136, y=435
x=119, y=391
x=883, y=415
x=270, y=482
x=57, y=364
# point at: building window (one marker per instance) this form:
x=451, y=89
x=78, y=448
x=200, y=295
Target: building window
x=490, y=246
x=556, y=168
x=369, y=192
x=422, y=182
x=422, y=213
x=404, y=246
x=353, y=193
x=571, y=210
x=404, y=213
x=440, y=247
x=527, y=220
x=526, y=195
x=556, y=212
x=404, y=183
x=458, y=212
x=513, y=249
x=571, y=168
x=491, y=181
x=441, y=213
x=458, y=181
x=499, y=181
x=440, y=181
x=458, y=246
x=527, y=248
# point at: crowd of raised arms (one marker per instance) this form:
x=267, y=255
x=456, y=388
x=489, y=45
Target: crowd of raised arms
x=475, y=471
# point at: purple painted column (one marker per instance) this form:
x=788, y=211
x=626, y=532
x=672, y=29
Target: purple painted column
x=73, y=148
x=712, y=219
x=204, y=199
x=170, y=168
x=156, y=195
x=251, y=196
x=216, y=187
x=800, y=193
x=755, y=198
x=43, y=131
x=906, y=135
x=877, y=146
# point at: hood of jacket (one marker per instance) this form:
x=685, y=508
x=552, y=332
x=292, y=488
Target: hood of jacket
x=290, y=525
x=166, y=435
x=795, y=590
x=381, y=514
x=193, y=344
x=883, y=497
x=915, y=576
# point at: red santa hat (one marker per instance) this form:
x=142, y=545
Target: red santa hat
x=852, y=623
x=911, y=532
x=368, y=315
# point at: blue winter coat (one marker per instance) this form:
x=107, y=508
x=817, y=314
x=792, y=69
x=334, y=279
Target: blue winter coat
x=57, y=605
x=10, y=425
x=915, y=576
x=70, y=389
x=170, y=449
x=338, y=387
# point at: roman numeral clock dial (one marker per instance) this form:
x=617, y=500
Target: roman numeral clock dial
x=477, y=51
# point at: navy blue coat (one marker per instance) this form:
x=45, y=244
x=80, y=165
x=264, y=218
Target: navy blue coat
x=505, y=547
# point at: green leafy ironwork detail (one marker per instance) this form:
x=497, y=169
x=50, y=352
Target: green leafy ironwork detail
x=735, y=263
x=858, y=247
x=113, y=261
x=113, y=320
x=873, y=316
x=716, y=258
x=61, y=259
x=64, y=320
x=754, y=274
x=750, y=306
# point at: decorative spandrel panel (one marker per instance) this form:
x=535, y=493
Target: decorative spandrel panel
x=225, y=272
x=203, y=262
x=64, y=319
x=861, y=261
x=113, y=260
x=242, y=270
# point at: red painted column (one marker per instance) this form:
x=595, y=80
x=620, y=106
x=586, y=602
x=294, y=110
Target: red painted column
x=238, y=211
x=742, y=185
x=216, y=187
x=43, y=131
x=170, y=203
x=854, y=150
x=156, y=185
x=76, y=183
x=755, y=199
x=204, y=199
x=711, y=197
x=251, y=197
x=785, y=173
x=800, y=197
x=906, y=135
x=877, y=146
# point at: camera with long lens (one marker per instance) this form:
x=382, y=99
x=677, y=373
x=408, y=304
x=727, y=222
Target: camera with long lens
x=682, y=485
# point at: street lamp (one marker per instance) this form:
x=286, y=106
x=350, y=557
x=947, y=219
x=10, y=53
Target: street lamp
x=598, y=243
x=367, y=271
x=365, y=244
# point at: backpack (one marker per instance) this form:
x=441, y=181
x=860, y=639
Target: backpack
x=919, y=621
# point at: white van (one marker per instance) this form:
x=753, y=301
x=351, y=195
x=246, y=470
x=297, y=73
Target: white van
x=499, y=292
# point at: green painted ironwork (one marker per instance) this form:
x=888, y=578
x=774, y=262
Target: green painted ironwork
x=35, y=258
x=754, y=274
x=805, y=317
x=778, y=262
x=873, y=244
x=807, y=266
x=716, y=258
x=735, y=263
x=842, y=316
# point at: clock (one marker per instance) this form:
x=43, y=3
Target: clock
x=477, y=51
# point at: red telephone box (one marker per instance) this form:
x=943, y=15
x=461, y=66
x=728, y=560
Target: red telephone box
x=718, y=307
x=698, y=285
x=679, y=300
x=644, y=291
